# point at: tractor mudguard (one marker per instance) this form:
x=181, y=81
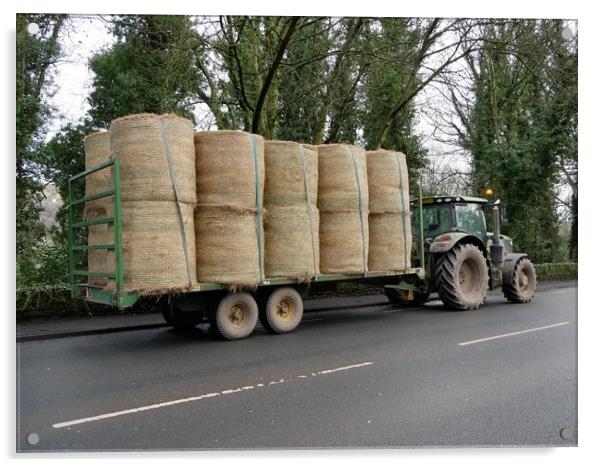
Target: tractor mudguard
x=447, y=241
x=508, y=265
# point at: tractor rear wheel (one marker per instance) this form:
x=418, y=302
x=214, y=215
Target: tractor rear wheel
x=521, y=288
x=461, y=277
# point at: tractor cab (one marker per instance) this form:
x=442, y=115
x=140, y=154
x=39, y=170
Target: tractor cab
x=444, y=214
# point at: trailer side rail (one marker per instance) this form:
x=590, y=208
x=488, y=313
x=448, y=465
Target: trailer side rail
x=113, y=295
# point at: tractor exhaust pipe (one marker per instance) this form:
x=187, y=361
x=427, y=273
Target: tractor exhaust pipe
x=496, y=225
x=496, y=250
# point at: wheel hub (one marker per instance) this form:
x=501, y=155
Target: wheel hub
x=466, y=277
x=523, y=281
x=285, y=309
x=237, y=315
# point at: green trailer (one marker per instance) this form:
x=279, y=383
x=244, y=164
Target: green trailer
x=276, y=302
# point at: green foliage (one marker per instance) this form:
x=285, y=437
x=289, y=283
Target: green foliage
x=50, y=266
x=549, y=271
x=35, y=55
x=387, y=80
x=64, y=157
x=149, y=69
x=301, y=92
x=514, y=132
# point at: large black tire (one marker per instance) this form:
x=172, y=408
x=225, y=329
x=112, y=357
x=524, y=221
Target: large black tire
x=236, y=316
x=283, y=311
x=177, y=318
x=397, y=298
x=461, y=277
x=521, y=288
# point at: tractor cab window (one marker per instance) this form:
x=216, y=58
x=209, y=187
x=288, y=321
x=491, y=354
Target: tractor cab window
x=471, y=218
x=436, y=220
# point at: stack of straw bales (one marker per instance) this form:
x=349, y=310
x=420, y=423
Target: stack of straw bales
x=157, y=234
x=97, y=148
x=228, y=219
x=158, y=192
x=343, y=205
x=292, y=246
x=390, y=228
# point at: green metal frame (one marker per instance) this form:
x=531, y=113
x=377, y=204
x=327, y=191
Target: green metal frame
x=79, y=289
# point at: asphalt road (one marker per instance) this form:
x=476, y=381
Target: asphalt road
x=379, y=376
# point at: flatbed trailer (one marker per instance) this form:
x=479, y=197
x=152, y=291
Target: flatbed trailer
x=205, y=301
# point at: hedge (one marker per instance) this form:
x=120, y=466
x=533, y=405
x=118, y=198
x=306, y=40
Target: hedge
x=549, y=271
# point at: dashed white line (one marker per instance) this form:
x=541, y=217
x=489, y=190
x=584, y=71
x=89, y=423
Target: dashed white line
x=203, y=396
x=513, y=333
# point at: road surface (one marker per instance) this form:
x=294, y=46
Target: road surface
x=379, y=376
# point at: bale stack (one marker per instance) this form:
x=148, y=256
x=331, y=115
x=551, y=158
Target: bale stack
x=97, y=149
x=228, y=218
x=390, y=227
x=343, y=205
x=292, y=247
x=158, y=192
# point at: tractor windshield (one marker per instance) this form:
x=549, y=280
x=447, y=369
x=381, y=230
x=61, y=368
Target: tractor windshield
x=471, y=218
x=436, y=220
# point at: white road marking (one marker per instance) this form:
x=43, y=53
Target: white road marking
x=513, y=333
x=202, y=396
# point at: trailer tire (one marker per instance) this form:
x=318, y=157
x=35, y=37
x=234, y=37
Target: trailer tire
x=282, y=312
x=461, y=277
x=235, y=316
x=178, y=318
x=521, y=288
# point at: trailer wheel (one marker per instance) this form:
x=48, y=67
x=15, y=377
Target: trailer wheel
x=236, y=316
x=521, y=288
x=461, y=277
x=283, y=311
x=177, y=318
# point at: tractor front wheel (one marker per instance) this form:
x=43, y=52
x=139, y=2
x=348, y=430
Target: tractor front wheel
x=521, y=288
x=461, y=277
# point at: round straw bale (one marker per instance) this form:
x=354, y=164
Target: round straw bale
x=388, y=191
x=286, y=163
x=343, y=249
x=288, y=242
x=390, y=242
x=136, y=140
x=342, y=184
x=225, y=168
x=153, y=250
x=97, y=149
x=226, y=245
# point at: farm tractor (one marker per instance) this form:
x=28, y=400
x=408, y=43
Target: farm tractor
x=463, y=260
